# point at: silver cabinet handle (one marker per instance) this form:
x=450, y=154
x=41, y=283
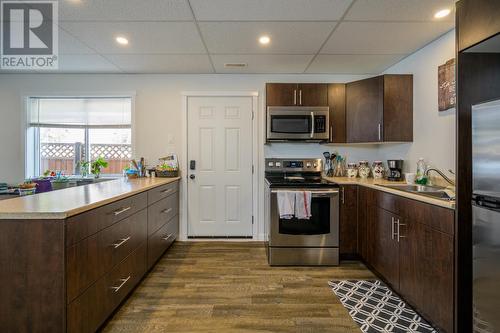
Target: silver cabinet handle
x=167, y=238
x=379, y=132
x=115, y=289
x=295, y=97
x=166, y=191
x=342, y=195
x=312, y=124
x=392, y=227
x=331, y=133
x=166, y=211
x=122, y=210
x=300, y=97
x=121, y=242
x=399, y=231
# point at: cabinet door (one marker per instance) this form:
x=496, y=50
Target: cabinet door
x=362, y=222
x=383, y=252
x=364, y=110
x=438, y=278
x=336, y=102
x=312, y=94
x=348, y=221
x=477, y=21
x=411, y=262
x=398, y=108
x=281, y=94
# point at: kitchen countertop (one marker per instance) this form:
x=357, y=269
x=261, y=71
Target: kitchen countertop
x=376, y=184
x=64, y=203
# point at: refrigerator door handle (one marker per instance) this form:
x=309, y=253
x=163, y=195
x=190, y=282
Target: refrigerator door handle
x=486, y=202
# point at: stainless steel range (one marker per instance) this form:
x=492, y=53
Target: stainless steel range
x=293, y=241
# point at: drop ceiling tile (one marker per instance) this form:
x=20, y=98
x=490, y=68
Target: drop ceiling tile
x=399, y=10
x=162, y=63
x=262, y=63
x=124, y=10
x=286, y=37
x=269, y=10
x=85, y=63
x=352, y=63
x=144, y=37
x=70, y=45
x=383, y=37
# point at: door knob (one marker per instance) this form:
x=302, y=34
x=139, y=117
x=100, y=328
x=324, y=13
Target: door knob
x=192, y=176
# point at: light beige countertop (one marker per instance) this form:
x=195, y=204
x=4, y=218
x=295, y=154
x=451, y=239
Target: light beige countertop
x=64, y=203
x=376, y=184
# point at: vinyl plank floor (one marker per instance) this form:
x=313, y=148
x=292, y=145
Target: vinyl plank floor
x=229, y=287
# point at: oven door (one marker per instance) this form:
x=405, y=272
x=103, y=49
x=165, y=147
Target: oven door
x=297, y=123
x=321, y=230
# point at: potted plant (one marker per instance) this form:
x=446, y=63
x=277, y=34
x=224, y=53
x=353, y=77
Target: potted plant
x=27, y=188
x=84, y=168
x=60, y=182
x=97, y=165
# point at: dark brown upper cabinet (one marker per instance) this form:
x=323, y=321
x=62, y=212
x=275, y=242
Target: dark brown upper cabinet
x=336, y=102
x=380, y=109
x=477, y=20
x=281, y=94
x=296, y=94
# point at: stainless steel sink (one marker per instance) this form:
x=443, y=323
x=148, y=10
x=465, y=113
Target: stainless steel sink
x=430, y=191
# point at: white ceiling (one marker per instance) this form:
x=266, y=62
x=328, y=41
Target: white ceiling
x=200, y=36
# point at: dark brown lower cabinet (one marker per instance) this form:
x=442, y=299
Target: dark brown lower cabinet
x=363, y=199
x=410, y=245
x=383, y=248
x=91, y=309
x=348, y=221
x=426, y=273
x=70, y=275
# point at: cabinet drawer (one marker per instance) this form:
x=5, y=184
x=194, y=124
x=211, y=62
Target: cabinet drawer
x=83, y=225
x=162, y=192
x=91, y=258
x=439, y=218
x=89, y=311
x=162, y=211
x=162, y=239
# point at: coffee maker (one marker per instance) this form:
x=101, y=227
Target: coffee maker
x=395, y=170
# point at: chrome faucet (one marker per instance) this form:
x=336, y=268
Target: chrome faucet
x=451, y=182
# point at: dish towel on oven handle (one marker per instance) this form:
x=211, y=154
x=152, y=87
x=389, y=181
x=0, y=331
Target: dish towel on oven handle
x=286, y=204
x=303, y=205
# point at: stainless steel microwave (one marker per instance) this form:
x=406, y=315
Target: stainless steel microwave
x=298, y=123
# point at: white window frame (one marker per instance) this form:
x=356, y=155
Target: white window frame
x=31, y=164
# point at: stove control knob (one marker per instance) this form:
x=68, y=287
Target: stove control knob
x=278, y=164
x=270, y=164
x=315, y=165
x=308, y=165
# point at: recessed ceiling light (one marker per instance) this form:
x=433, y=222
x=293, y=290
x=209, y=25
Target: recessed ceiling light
x=264, y=40
x=122, y=40
x=442, y=13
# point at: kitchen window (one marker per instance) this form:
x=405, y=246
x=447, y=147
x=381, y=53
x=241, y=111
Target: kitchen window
x=62, y=133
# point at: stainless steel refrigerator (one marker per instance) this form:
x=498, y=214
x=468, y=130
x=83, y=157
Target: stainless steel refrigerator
x=486, y=216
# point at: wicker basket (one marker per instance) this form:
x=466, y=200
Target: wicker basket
x=167, y=173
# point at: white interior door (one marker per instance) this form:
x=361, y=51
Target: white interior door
x=220, y=186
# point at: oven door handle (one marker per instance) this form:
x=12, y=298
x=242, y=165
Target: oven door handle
x=313, y=192
x=312, y=124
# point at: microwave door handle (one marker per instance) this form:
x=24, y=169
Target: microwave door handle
x=312, y=124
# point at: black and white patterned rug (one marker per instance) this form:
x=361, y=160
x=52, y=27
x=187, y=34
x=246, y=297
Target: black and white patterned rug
x=375, y=308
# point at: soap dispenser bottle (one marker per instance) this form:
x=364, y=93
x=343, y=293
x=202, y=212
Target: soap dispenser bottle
x=421, y=168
